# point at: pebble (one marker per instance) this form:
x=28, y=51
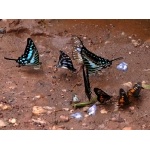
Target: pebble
x=49, y=108
x=2, y=31
x=56, y=128
x=64, y=118
x=5, y=106
x=136, y=42
x=66, y=109
x=37, y=97
x=38, y=110
x=103, y=111
x=101, y=126
x=84, y=124
x=131, y=108
x=39, y=121
x=12, y=120
x=107, y=42
x=71, y=111
x=85, y=109
x=123, y=33
x=127, y=128
x=12, y=87
x=127, y=84
x=64, y=90
x=2, y=124
x=86, y=115
x=75, y=99
x=130, y=53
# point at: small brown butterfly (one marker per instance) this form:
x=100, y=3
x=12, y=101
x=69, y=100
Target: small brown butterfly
x=135, y=91
x=123, y=98
x=101, y=95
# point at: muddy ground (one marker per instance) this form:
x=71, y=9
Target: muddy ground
x=50, y=90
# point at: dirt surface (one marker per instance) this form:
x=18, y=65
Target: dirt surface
x=40, y=99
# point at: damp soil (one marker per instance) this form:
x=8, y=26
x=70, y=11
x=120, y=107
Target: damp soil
x=51, y=89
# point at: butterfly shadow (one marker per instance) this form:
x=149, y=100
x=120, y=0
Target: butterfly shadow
x=30, y=71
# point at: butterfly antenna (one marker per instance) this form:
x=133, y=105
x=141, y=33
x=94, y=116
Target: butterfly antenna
x=119, y=58
x=10, y=58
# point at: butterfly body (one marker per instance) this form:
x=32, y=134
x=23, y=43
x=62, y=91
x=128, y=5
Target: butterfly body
x=123, y=98
x=87, y=83
x=101, y=95
x=135, y=91
x=65, y=62
x=30, y=56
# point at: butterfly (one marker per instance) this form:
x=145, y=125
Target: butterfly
x=123, y=98
x=135, y=91
x=30, y=56
x=101, y=95
x=65, y=62
x=93, y=62
x=87, y=83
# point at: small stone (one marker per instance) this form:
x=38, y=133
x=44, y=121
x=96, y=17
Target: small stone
x=71, y=111
x=56, y=128
x=84, y=124
x=49, y=108
x=147, y=46
x=136, y=42
x=64, y=118
x=131, y=108
x=5, y=106
x=85, y=109
x=103, y=111
x=38, y=110
x=123, y=33
x=127, y=84
x=107, y=42
x=2, y=124
x=127, y=128
x=64, y=90
x=130, y=53
x=12, y=120
x=86, y=115
x=12, y=87
x=51, y=90
x=101, y=126
x=2, y=31
x=37, y=97
x=75, y=99
x=39, y=121
x=78, y=83
x=66, y=109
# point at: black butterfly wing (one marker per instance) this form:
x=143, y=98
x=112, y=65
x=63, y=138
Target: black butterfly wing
x=123, y=98
x=101, y=95
x=87, y=83
x=92, y=66
x=30, y=56
x=65, y=62
x=93, y=62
